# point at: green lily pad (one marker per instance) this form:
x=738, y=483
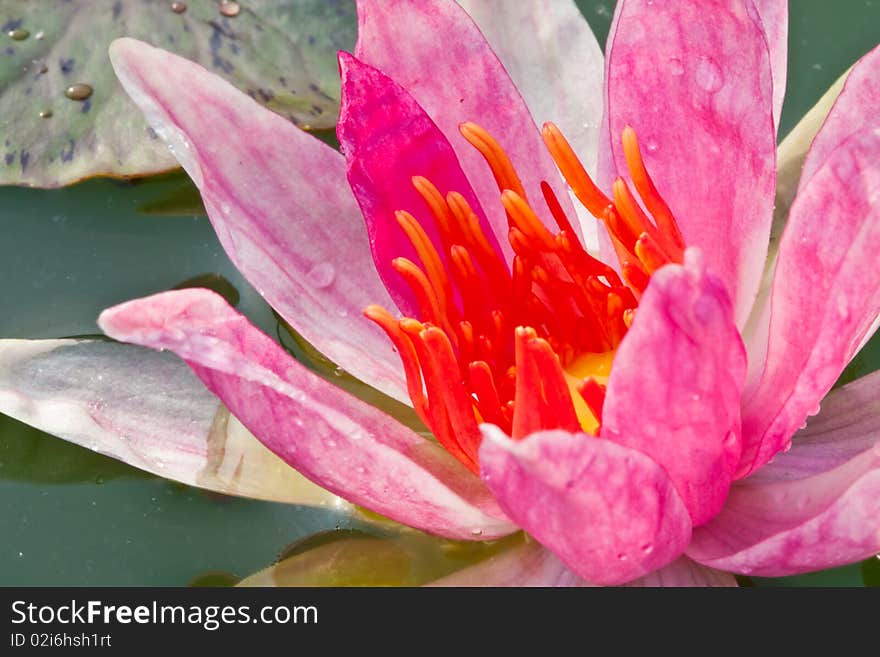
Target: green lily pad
x=281, y=52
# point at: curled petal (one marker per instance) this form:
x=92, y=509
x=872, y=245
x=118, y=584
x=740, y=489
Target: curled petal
x=148, y=410
x=694, y=80
x=675, y=386
x=435, y=51
x=608, y=512
x=278, y=200
x=335, y=440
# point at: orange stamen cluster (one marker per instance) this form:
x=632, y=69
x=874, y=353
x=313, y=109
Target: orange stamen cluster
x=492, y=342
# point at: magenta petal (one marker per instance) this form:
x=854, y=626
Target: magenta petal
x=278, y=200
x=387, y=139
x=436, y=52
x=684, y=572
x=608, y=512
x=775, y=528
x=337, y=441
x=825, y=296
x=693, y=77
x=529, y=564
x=675, y=386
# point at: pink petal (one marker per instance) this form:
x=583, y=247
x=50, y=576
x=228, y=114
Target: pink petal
x=847, y=425
x=780, y=528
x=335, y=440
x=387, y=139
x=436, y=52
x=853, y=111
x=685, y=572
x=279, y=203
x=825, y=297
x=694, y=80
x=774, y=19
x=529, y=564
x=674, y=390
x=608, y=512
x=148, y=410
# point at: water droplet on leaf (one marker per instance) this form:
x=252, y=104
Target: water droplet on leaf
x=45, y=114
x=229, y=8
x=19, y=34
x=178, y=7
x=79, y=91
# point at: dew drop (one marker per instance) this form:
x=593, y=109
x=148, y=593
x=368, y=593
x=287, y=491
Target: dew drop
x=477, y=532
x=621, y=556
x=43, y=69
x=360, y=469
x=39, y=35
x=19, y=34
x=338, y=371
x=45, y=114
x=178, y=7
x=229, y=8
x=78, y=91
x=708, y=75
x=675, y=66
x=651, y=146
x=322, y=275
x=647, y=548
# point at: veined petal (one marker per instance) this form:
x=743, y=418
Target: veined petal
x=774, y=19
x=694, y=80
x=388, y=139
x=775, y=528
x=279, y=203
x=610, y=513
x=148, y=410
x=847, y=425
x=530, y=564
x=685, y=572
x=435, y=51
x=676, y=382
x=825, y=297
x=335, y=440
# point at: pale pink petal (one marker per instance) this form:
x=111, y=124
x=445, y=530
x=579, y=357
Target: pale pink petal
x=694, y=80
x=436, y=52
x=847, y=425
x=337, y=441
x=555, y=61
x=527, y=565
x=774, y=19
x=684, y=572
x=278, y=199
x=388, y=139
x=775, y=528
x=853, y=111
x=148, y=410
x=608, y=512
x=825, y=297
x=675, y=386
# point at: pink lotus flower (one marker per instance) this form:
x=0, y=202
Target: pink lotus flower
x=624, y=416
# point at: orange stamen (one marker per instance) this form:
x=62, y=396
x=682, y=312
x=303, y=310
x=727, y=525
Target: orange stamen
x=501, y=166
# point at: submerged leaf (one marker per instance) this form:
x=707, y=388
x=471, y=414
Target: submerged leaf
x=72, y=118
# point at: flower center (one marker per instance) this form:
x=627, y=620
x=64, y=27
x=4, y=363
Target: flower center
x=528, y=345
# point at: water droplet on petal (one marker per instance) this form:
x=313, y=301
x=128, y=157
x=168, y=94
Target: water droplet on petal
x=477, y=532
x=708, y=75
x=322, y=275
x=79, y=91
x=19, y=34
x=229, y=8
x=675, y=66
x=651, y=146
x=338, y=371
x=178, y=7
x=647, y=548
x=621, y=556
